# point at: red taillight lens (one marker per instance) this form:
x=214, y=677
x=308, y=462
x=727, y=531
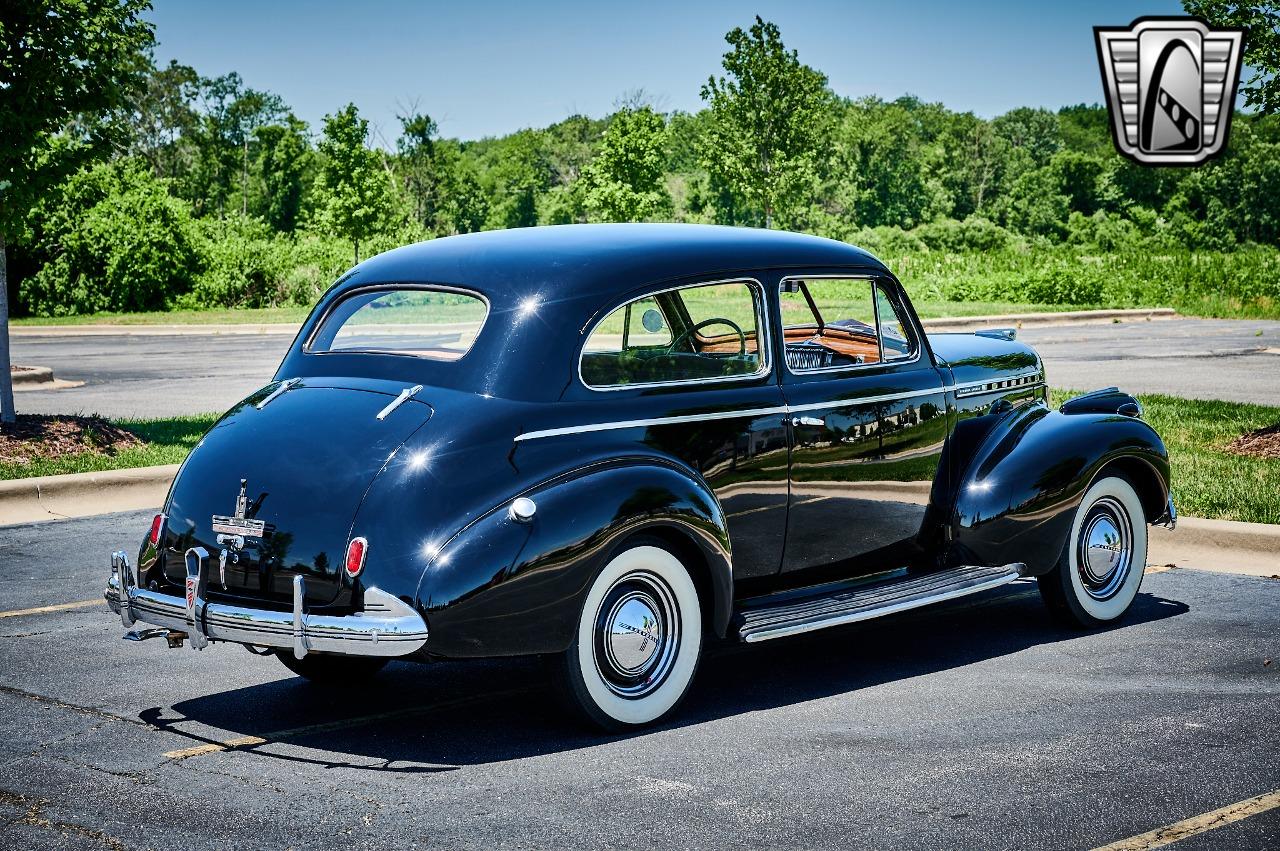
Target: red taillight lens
x=157, y=526
x=356, y=551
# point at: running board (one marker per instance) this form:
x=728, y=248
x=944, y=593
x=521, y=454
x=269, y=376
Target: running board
x=871, y=601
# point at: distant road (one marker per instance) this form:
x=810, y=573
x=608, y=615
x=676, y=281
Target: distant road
x=152, y=376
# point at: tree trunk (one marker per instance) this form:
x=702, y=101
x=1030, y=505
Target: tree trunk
x=357, y=244
x=244, y=180
x=7, y=413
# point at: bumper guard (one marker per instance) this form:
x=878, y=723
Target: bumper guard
x=387, y=627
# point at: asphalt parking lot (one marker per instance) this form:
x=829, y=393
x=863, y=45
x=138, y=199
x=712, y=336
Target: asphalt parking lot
x=159, y=376
x=975, y=724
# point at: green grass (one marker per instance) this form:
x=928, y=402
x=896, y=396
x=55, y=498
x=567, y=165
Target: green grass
x=167, y=442
x=239, y=316
x=1208, y=481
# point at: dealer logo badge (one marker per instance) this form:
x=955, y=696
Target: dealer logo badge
x=1170, y=86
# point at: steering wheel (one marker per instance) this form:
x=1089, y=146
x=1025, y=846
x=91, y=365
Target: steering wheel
x=715, y=320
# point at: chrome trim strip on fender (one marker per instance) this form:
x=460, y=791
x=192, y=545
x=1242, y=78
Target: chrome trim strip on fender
x=971, y=388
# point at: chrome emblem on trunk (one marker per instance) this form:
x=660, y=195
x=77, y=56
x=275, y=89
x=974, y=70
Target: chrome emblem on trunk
x=239, y=524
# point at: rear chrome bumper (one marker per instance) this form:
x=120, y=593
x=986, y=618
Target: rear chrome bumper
x=387, y=627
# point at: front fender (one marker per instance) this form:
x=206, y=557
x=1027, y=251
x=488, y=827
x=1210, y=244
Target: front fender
x=502, y=587
x=1016, y=499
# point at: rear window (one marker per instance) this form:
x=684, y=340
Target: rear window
x=426, y=323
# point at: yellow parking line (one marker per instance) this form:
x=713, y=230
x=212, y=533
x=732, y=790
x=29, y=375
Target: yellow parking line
x=1172, y=833
x=60, y=607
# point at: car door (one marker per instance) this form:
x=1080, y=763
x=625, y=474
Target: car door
x=693, y=365
x=868, y=419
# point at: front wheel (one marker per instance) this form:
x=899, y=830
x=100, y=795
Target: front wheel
x=1100, y=571
x=638, y=639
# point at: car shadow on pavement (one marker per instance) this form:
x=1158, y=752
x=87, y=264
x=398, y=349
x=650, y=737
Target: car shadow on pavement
x=439, y=717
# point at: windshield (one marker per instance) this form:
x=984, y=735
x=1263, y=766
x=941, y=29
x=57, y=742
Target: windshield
x=418, y=321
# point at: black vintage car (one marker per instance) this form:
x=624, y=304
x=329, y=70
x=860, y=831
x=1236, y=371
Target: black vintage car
x=612, y=444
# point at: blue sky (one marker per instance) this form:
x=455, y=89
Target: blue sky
x=486, y=68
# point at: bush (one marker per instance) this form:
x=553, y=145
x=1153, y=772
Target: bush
x=110, y=238
x=245, y=265
x=973, y=234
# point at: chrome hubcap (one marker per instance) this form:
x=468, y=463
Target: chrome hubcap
x=1104, y=552
x=636, y=635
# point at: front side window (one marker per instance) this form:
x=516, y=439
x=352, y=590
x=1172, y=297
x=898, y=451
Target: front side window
x=833, y=323
x=698, y=333
x=425, y=323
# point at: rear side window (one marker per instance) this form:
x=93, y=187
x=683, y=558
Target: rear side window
x=840, y=323
x=706, y=332
x=427, y=323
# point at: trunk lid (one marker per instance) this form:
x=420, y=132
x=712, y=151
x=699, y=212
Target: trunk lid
x=308, y=456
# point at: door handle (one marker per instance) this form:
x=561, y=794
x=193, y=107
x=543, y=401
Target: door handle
x=807, y=421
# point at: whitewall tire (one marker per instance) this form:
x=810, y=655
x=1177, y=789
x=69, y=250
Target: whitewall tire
x=1101, y=568
x=638, y=639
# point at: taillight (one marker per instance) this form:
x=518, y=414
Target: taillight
x=157, y=526
x=356, y=551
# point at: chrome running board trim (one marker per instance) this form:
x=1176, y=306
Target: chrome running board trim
x=874, y=601
x=387, y=627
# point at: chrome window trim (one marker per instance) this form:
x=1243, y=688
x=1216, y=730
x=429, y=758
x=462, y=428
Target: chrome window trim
x=763, y=339
x=874, y=280
x=1023, y=383
x=391, y=286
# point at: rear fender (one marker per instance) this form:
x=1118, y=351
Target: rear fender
x=505, y=587
x=1016, y=499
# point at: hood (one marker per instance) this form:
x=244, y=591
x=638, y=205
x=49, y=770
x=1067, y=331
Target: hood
x=307, y=457
x=974, y=358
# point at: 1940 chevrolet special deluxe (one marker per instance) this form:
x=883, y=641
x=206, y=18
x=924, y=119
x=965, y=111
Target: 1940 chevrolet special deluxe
x=611, y=444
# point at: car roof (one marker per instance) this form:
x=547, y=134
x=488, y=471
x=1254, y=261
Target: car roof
x=561, y=262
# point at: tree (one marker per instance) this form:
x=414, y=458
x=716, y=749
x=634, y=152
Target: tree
x=61, y=61
x=282, y=162
x=353, y=187
x=423, y=177
x=1261, y=21
x=624, y=183
x=520, y=174
x=768, y=120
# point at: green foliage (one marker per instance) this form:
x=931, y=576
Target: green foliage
x=624, y=183
x=61, y=61
x=110, y=238
x=520, y=172
x=354, y=192
x=766, y=124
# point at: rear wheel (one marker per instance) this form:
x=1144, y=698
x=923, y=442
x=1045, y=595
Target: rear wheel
x=638, y=640
x=1098, y=576
x=331, y=670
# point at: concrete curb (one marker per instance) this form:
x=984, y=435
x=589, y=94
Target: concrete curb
x=1067, y=317
x=25, y=375
x=83, y=494
x=960, y=323
x=1220, y=545
x=281, y=329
